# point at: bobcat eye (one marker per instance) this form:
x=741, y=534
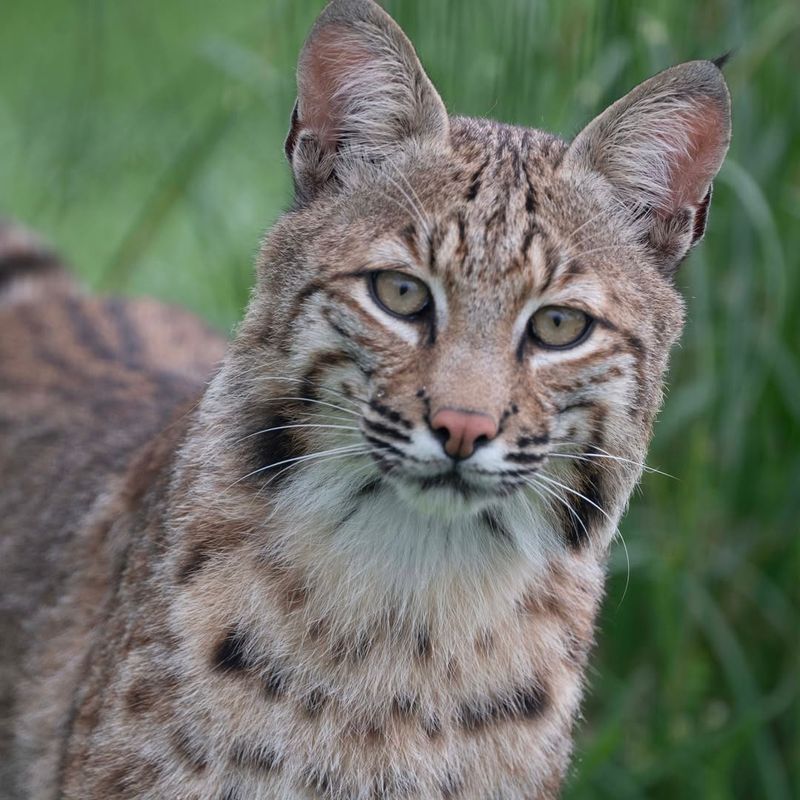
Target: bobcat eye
x=399, y=294
x=559, y=327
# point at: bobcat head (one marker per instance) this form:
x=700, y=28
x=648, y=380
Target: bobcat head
x=458, y=338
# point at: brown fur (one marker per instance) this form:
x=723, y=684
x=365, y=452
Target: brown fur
x=188, y=611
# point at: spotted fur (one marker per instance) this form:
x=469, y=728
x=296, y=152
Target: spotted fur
x=276, y=584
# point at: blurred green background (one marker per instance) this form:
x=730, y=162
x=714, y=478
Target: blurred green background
x=145, y=139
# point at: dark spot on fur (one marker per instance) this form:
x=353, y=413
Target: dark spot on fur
x=588, y=511
x=314, y=702
x=275, y=680
x=495, y=526
x=422, y=643
x=229, y=654
x=518, y=704
x=405, y=705
x=17, y=264
x=475, y=181
x=190, y=752
x=273, y=444
x=197, y=557
x=255, y=757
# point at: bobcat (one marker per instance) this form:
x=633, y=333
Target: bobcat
x=364, y=560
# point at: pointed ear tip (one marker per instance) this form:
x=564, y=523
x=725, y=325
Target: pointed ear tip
x=706, y=78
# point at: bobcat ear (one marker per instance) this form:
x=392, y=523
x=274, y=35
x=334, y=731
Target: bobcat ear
x=660, y=147
x=362, y=93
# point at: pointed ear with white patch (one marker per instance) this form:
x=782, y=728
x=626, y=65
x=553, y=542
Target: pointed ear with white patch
x=659, y=148
x=362, y=93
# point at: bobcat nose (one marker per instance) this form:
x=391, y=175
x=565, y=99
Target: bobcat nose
x=462, y=432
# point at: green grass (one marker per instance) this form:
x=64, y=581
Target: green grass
x=145, y=138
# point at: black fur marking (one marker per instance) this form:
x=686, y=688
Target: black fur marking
x=527, y=239
x=197, y=558
x=259, y=758
x=496, y=527
x=587, y=512
x=576, y=405
x=475, y=181
x=274, y=446
x=447, y=480
x=405, y=705
x=385, y=430
x=229, y=654
x=275, y=681
x=231, y=794
x=422, y=643
x=381, y=445
x=720, y=61
x=551, y=264
x=369, y=489
x=525, y=458
x=314, y=702
x=527, y=441
x=391, y=414
x=16, y=265
x=518, y=704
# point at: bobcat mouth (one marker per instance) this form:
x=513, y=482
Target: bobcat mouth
x=448, y=494
x=450, y=480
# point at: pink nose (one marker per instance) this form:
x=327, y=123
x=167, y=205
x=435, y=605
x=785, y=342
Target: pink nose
x=463, y=429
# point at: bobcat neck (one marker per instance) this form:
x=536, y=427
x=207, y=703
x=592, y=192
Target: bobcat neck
x=297, y=658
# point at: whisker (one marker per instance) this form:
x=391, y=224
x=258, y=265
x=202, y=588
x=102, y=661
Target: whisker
x=322, y=458
x=298, y=425
x=350, y=411
x=317, y=385
x=610, y=456
x=535, y=484
x=346, y=449
x=569, y=489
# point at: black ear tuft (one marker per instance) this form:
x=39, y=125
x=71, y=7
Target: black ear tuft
x=720, y=61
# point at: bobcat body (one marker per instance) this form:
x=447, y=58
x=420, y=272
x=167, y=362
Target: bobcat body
x=365, y=559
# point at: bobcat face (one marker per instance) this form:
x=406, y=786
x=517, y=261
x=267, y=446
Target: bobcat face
x=490, y=325
x=472, y=315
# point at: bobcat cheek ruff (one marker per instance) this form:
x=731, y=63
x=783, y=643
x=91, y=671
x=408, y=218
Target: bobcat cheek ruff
x=364, y=560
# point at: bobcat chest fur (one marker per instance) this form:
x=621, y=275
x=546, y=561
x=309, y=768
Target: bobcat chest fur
x=365, y=559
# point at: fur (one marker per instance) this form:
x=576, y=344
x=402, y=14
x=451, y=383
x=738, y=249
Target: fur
x=258, y=575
